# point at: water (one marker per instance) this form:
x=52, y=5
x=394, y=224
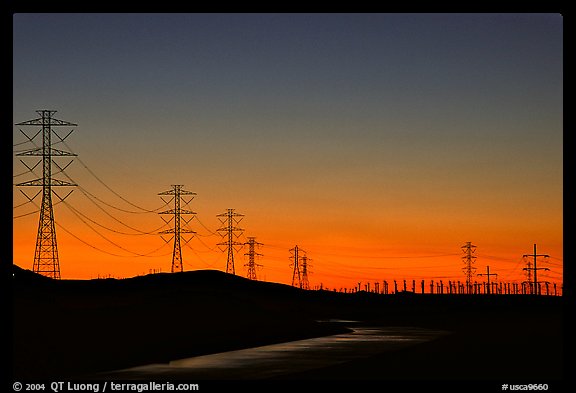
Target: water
x=285, y=358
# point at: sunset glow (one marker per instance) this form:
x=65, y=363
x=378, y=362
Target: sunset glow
x=378, y=143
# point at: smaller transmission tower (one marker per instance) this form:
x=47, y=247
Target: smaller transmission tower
x=252, y=254
x=178, y=193
x=535, y=269
x=295, y=257
x=46, y=260
x=305, y=265
x=230, y=232
x=469, y=258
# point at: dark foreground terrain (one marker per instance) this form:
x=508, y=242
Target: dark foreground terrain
x=71, y=328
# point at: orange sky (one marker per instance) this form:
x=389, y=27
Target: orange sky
x=345, y=246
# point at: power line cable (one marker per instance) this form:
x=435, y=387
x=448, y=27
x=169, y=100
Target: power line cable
x=108, y=240
x=83, y=191
x=110, y=229
x=212, y=233
x=109, y=188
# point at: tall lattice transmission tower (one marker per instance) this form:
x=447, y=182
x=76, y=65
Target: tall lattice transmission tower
x=295, y=257
x=305, y=266
x=230, y=232
x=178, y=194
x=46, y=260
x=469, y=270
x=252, y=254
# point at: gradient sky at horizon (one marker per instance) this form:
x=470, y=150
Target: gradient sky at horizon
x=378, y=143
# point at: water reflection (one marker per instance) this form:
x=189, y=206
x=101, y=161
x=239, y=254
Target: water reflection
x=285, y=358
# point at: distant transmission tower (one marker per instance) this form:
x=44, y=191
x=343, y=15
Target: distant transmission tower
x=528, y=282
x=305, y=265
x=252, y=243
x=294, y=256
x=230, y=231
x=535, y=269
x=177, y=192
x=469, y=258
x=46, y=260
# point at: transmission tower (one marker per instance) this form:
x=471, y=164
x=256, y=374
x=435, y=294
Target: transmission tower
x=178, y=193
x=469, y=258
x=294, y=256
x=230, y=231
x=305, y=265
x=535, y=269
x=528, y=281
x=46, y=260
x=252, y=243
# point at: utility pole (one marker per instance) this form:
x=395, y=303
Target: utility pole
x=252, y=243
x=230, y=231
x=535, y=269
x=46, y=261
x=469, y=258
x=488, y=274
x=177, y=192
x=294, y=256
x=305, y=266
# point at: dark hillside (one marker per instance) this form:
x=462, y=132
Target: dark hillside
x=69, y=328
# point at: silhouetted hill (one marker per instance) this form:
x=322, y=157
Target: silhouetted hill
x=68, y=328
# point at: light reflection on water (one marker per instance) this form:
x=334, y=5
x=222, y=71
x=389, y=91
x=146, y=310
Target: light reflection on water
x=284, y=358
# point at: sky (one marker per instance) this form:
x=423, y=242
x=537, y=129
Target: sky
x=377, y=143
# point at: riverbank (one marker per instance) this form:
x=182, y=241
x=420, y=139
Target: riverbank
x=69, y=329
x=519, y=346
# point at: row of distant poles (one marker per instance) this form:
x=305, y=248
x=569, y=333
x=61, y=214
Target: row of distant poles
x=46, y=260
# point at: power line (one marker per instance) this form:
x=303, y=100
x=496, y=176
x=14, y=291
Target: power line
x=107, y=252
x=88, y=194
x=123, y=223
x=144, y=210
x=118, y=208
x=21, y=174
x=200, y=258
x=210, y=249
x=110, y=229
x=104, y=237
x=388, y=256
x=212, y=233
